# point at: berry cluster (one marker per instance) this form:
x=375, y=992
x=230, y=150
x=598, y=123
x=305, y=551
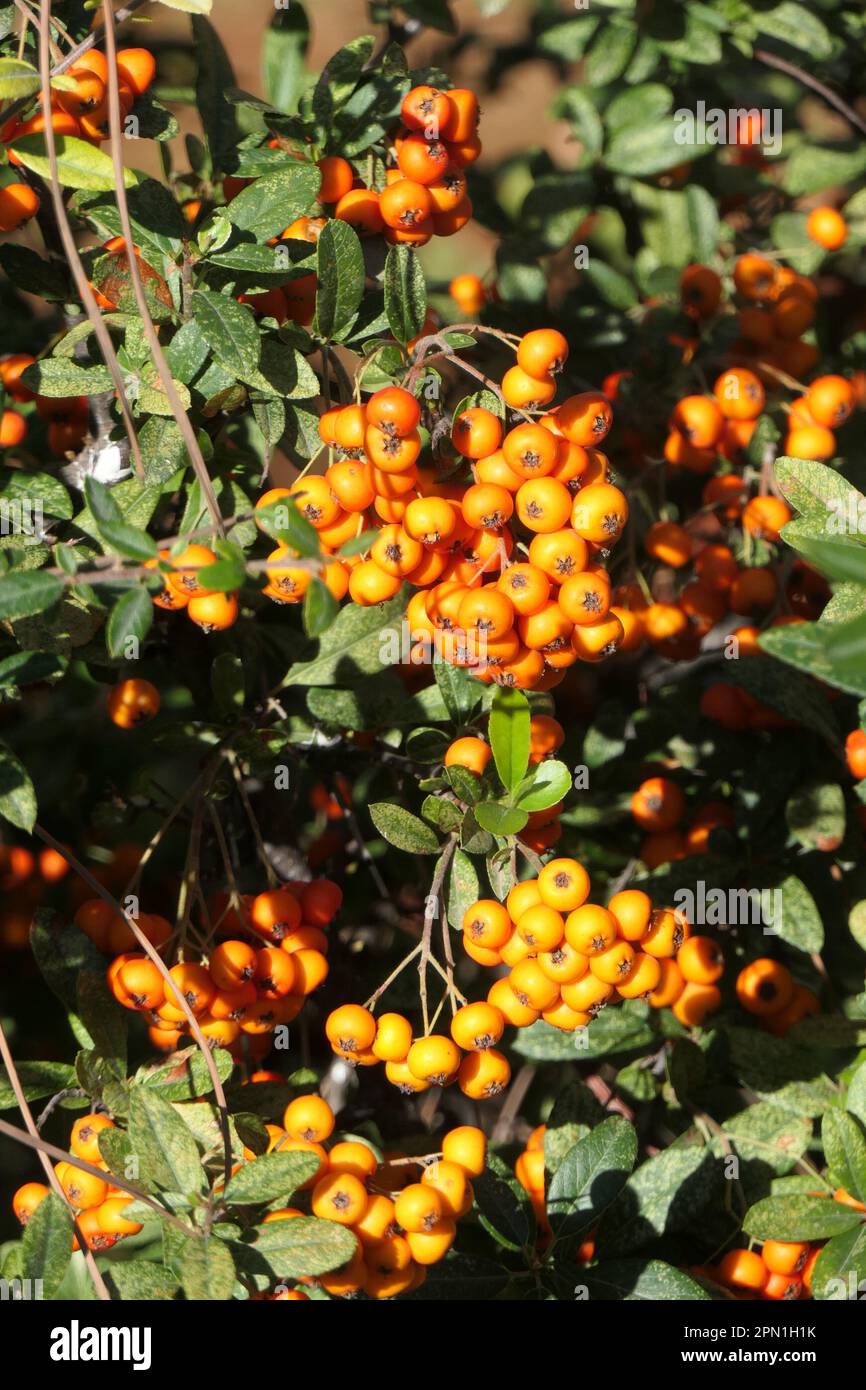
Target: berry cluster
x=67, y=415
x=543, y=486
x=402, y=1210
x=781, y=1270
x=567, y=959
x=420, y=193
x=240, y=988
x=99, y=1205
x=80, y=110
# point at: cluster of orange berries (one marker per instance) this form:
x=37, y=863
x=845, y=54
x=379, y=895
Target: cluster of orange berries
x=182, y=590
x=721, y=587
x=781, y=1271
x=767, y=989
x=403, y=1211
x=568, y=958
x=81, y=112
x=780, y=307
x=537, y=617
x=424, y=193
x=99, y=1205
x=242, y=987
x=562, y=968
x=25, y=879
x=67, y=414
x=658, y=807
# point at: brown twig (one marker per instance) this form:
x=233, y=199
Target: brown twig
x=33, y=1137
x=772, y=60
x=175, y=994
x=431, y=908
x=82, y=283
x=46, y=1150
x=183, y=422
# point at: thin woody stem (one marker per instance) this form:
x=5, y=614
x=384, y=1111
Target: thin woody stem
x=183, y=421
x=76, y=266
x=430, y=912
x=33, y=1138
x=180, y=999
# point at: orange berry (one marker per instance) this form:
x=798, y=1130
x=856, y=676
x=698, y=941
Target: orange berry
x=133, y=702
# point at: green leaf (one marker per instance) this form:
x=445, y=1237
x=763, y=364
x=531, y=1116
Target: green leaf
x=229, y=329
x=796, y=25
x=817, y=491
x=842, y=559
x=46, y=1246
x=274, y=201
x=840, y=1269
x=403, y=830
x=816, y=816
x=463, y=887
x=23, y=595
x=590, y=1177
x=131, y=616
x=269, y=1176
x=460, y=691
x=614, y=288
x=845, y=1152
x=508, y=731
x=611, y=51
x=320, y=608
x=104, y=1019
x=142, y=1280
x=644, y=149
x=832, y=652
x=214, y=77
x=704, y=223
x=575, y=1112
x=665, y=1195
x=502, y=1204
x=549, y=783
x=800, y=921
x=304, y=1247
x=799, y=1218
x=340, y=268
x=641, y=1280
x=17, y=79
x=284, y=49
x=624, y=1029
x=60, y=376
x=405, y=293
x=186, y=1076
x=166, y=1150
x=855, y=1101
x=353, y=646
x=284, y=521
x=37, y=1079
x=207, y=1271
x=79, y=165
x=500, y=819
x=793, y=694
x=467, y=1278
x=17, y=796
